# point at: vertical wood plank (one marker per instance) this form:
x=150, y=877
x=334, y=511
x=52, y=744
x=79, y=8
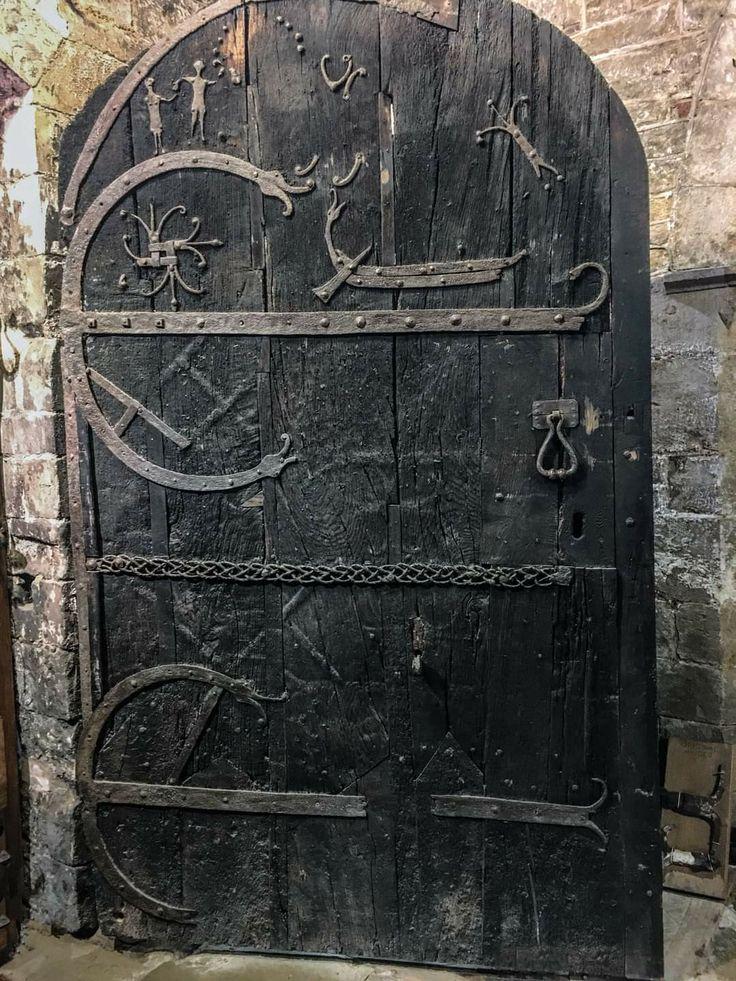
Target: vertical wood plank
x=634, y=544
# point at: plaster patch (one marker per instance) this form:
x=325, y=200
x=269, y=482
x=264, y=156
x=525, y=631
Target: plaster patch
x=49, y=10
x=19, y=157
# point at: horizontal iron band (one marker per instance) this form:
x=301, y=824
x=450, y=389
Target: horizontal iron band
x=409, y=574
x=491, y=320
x=235, y=801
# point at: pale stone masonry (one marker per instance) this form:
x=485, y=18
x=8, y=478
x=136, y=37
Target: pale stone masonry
x=672, y=61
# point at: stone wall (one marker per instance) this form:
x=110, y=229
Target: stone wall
x=672, y=61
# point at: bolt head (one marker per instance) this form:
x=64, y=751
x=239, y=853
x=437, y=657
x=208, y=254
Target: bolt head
x=456, y=320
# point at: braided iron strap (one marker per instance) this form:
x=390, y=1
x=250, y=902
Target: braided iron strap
x=406, y=574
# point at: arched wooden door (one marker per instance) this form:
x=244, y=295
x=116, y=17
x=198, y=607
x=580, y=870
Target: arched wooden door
x=356, y=339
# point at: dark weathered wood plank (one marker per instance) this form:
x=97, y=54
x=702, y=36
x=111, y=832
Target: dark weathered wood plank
x=295, y=116
x=634, y=545
x=519, y=507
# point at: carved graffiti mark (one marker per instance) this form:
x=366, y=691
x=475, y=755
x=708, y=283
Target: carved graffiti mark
x=307, y=169
x=96, y=793
x=511, y=128
x=199, y=85
x=346, y=80
x=155, y=122
x=360, y=161
x=163, y=255
x=436, y=274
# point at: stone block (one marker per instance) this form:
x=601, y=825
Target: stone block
x=44, y=531
x=33, y=487
x=87, y=65
x=23, y=285
x=687, y=322
x=666, y=140
x=719, y=81
x=712, y=160
x=36, y=385
x=32, y=433
x=47, y=680
x=692, y=539
x=565, y=14
x=684, y=403
x=631, y=28
x=36, y=558
x=42, y=736
x=666, y=70
x=705, y=233
x=695, y=484
x=50, y=617
x=53, y=818
x=661, y=207
x=690, y=691
x=698, y=627
x=62, y=896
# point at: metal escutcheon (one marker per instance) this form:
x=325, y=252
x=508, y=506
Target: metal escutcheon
x=556, y=415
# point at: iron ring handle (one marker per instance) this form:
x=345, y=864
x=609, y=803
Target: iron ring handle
x=556, y=424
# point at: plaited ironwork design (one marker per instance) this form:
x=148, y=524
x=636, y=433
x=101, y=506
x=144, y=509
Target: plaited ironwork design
x=404, y=574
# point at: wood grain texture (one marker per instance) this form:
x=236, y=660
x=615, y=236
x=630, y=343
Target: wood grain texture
x=410, y=447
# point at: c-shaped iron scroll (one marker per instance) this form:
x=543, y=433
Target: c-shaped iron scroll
x=556, y=428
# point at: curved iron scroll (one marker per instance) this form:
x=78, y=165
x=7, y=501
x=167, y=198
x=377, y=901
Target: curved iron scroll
x=272, y=183
x=96, y=793
x=79, y=375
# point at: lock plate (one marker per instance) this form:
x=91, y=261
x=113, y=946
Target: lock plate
x=543, y=409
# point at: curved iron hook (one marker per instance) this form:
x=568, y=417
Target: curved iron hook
x=556, y=424
x=605, y=289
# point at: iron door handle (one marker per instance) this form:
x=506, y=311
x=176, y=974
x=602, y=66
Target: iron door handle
x=555, y=417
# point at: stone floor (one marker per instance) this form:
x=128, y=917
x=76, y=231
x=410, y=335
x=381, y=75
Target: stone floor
x=700, y=942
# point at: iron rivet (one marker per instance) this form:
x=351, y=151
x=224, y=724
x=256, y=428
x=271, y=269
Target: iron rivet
x=324, y=322
x=200, y=322
x=630, y=522
x=559, y=318
x=399, y=282
x=500, y=496
x=300, y=48
x=298, y=37
x=360, y=321
x=287, y=25
x=379, y=271
x=506, y=320
x=456, y=319
x=410, y=322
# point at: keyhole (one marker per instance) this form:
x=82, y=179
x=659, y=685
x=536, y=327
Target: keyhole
x=578, y=525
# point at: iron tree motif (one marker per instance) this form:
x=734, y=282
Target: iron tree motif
x=164, y=254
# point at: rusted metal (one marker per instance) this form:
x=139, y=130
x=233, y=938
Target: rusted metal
x=556, y=415
x=350, y=271
x=307, y=169
x=360, y=161
x=491, y=320
x=119, y=99
x=163, y=254
x=199, y=85
x=360, y=574
x=134, y=408
x=272, y=183
x=701, y=808
x=96, y=793
x=573, y=816
x=346, y=80
x=510, y=127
